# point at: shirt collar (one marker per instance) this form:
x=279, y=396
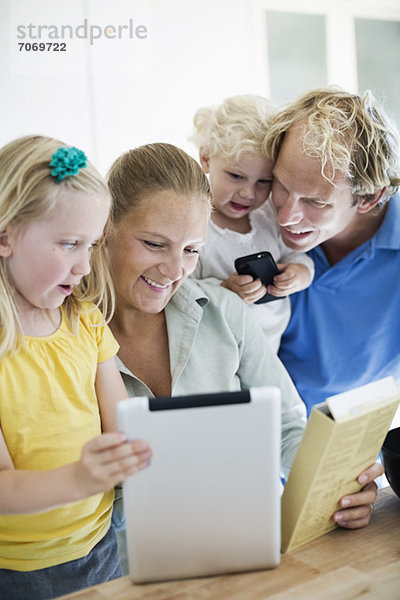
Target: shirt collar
x=189, y=293
x=190, y=298
x=386, y=238
x=388, y=234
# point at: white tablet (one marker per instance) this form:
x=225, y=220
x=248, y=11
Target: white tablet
x=210, y=501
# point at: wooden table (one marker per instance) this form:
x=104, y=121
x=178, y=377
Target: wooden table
x=341, y=565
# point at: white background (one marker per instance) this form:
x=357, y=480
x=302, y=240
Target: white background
x=117, y=94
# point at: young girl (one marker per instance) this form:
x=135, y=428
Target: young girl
x=230, y=139
x=58, y=378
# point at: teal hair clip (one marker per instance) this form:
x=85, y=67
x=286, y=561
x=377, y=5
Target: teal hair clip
x=66, y=162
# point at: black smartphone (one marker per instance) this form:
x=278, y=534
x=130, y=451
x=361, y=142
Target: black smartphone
x=260, y=265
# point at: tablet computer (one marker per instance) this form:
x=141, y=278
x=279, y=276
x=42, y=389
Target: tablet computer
x=210, y=501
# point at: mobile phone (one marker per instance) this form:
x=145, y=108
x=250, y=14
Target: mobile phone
x=260, y=265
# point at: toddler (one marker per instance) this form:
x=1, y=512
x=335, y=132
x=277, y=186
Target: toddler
x=243, y=221
x=60, y=451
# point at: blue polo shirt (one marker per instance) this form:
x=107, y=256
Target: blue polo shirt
x=345, y=328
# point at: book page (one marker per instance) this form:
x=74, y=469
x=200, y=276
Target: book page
x=334, y=472
x=362, y=399
x=330, y=458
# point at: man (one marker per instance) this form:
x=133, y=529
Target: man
x=336, y=175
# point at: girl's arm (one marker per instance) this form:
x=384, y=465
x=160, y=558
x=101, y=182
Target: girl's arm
x=105, y=461
x=109, y=389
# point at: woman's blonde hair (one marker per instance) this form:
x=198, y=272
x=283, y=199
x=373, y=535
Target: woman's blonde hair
x=348, y=133
x=150, y=169
x=237, y=126
x=28, y=192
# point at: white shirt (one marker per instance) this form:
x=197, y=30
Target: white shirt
x=216, y=263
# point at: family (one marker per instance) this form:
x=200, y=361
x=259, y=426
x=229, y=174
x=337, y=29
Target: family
x=127, y=287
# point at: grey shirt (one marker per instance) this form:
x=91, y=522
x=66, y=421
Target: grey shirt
x=215, y=344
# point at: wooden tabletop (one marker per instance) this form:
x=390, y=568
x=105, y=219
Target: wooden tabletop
x=340, y=565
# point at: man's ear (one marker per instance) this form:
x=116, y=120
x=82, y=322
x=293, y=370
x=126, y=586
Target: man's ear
x=5, y=246
x=367, y=203
x=204, y=156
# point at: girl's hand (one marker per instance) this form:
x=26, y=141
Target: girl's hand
x=109, y=459
x=292, y=278
x=357, y=508
x=250, y=290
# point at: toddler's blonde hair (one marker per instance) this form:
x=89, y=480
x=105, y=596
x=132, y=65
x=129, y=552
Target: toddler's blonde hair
x=237, y=126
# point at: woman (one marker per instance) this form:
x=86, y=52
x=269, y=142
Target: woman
x=177, y=335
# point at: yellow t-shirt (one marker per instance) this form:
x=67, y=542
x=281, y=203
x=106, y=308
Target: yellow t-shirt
x=48, y=411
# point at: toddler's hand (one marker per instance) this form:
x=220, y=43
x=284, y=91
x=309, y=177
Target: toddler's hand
x=292, y=278
x=249, y=289
x=109, y=459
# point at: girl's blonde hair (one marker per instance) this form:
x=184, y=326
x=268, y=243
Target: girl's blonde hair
x=28, y=192
x=348, y=133
x=237, y=126
x=150, y=169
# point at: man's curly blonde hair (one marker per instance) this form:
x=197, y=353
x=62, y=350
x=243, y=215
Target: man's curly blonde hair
x=236, y=127
x=348, y=133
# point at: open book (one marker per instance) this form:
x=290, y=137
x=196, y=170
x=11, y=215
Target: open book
x=343, y=437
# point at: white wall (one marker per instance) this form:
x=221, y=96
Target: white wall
x=37, y=97
x=119, y=93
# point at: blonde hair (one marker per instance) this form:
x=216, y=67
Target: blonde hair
x=150, y=169
x=28, y=192
x=347, y=133
x=237, y=126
